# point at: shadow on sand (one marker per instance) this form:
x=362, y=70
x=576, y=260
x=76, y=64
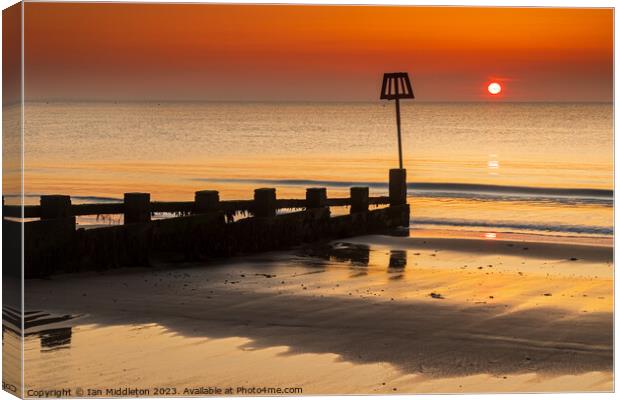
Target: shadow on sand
x=436, y=338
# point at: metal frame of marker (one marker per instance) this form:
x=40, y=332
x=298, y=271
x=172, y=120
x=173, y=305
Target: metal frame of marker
x=396, y=86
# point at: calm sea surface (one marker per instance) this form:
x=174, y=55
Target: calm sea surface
x=535, y=168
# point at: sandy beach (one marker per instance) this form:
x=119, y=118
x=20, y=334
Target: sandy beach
x=425, y=313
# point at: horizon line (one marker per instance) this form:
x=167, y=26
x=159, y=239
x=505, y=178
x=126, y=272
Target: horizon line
x=491, y=101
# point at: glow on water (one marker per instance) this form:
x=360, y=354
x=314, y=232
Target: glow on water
x=174, y=149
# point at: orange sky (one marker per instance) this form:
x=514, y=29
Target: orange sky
x=11, y=54
x=254, y=52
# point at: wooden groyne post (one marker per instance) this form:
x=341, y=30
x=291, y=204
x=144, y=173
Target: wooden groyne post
x=137, y=208
x=55, y=206
x=56, y=212
x=398, y=190
x=206, y=201
x=359, y=199
x=265, y=202
x=316, y=198
x=398, y=186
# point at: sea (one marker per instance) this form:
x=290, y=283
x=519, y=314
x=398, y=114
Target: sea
x=534, y=168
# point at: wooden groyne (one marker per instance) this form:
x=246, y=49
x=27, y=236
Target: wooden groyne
x=204, y=230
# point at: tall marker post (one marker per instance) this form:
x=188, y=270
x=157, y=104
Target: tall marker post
x=396, y=86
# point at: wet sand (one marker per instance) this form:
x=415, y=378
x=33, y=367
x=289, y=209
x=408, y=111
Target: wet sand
x=375, y=314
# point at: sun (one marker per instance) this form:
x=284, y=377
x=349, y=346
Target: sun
x=494, y=88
